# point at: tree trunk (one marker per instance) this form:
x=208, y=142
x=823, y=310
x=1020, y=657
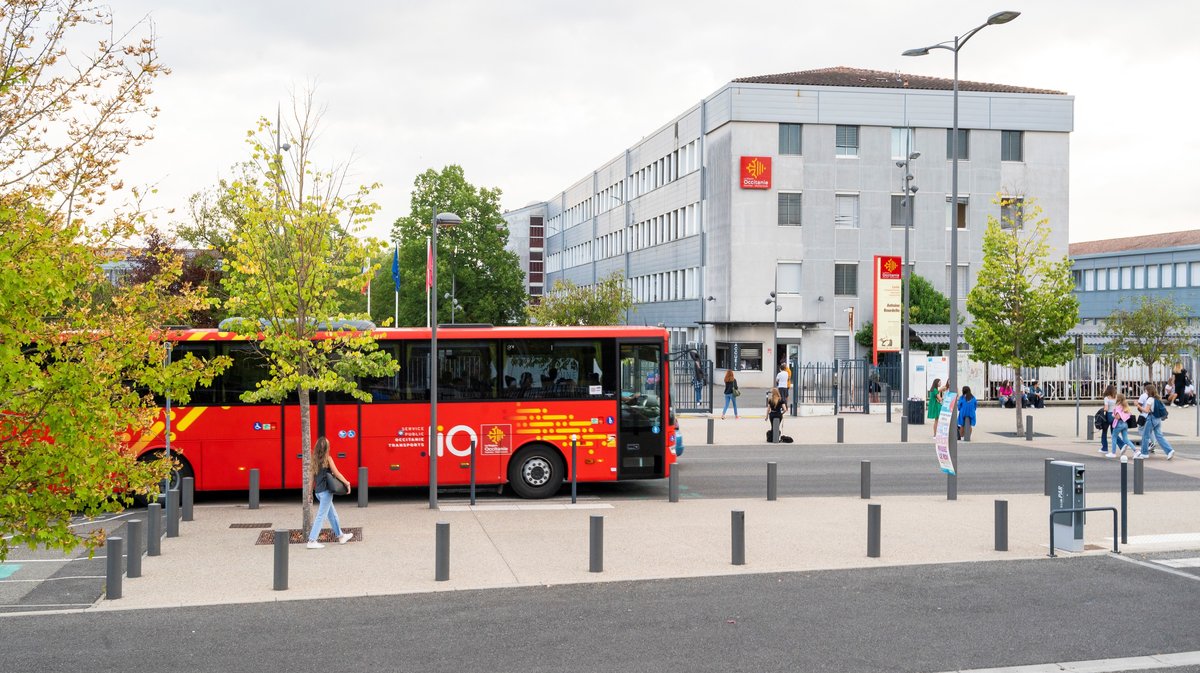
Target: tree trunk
x=1017, y=397
x=306, y=497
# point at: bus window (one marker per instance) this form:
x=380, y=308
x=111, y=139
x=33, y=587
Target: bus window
x=386, y=388
x=202, y=395
x=570, y=369
x=466, y=370
x=248, y=368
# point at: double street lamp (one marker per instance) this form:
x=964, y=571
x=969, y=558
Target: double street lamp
x=773, y=299
x=908, y=203
x=439, y=220
x=954, y=46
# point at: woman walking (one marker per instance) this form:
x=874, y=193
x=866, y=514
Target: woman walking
x=323, y=461
x=1110, y=401
x=731, y=394
x=1155, y=412
x=933, y=403
x=1121, y=414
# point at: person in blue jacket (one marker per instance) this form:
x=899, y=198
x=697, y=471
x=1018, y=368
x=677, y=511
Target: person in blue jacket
x=966, y=410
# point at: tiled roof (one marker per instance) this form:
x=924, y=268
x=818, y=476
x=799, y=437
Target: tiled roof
x=1173, y=239
x=879, y=79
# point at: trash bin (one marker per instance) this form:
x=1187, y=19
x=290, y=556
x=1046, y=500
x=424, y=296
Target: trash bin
x=916, y=412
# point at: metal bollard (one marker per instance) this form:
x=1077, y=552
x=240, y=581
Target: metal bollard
x=153, y=529
x=772, y=481
x=904, y=428
x=474, y=452
x=1091, y=430
x=1139, y=477
x=864, y=480
x=1001, y=525
x=887, y=402
x=1046, y=479
x=362, y=487
x=1124, y=499
x=189, y=498
x=952, y=479
x=112, y=578
x=738, y=521
x=134, y=529
x=841, y=433
x=1029, y=428
x=441, y=571
x=254, y=488
x=574, y=469
x=874, y=518
x=673, y=484
x=966, y=431
x=711, y=424
x=596, y=543
x=173, y=513
x=282, y=537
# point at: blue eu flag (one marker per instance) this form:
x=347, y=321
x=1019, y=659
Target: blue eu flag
x=396, y=268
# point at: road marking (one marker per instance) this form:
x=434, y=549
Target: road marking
x=1180, y=562
x=1101, y=665
x=51, y=579
x=515, y=508
x=1159, y=539
x=1155, y=566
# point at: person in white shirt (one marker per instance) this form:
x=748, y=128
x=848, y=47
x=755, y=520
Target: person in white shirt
x=781, y=381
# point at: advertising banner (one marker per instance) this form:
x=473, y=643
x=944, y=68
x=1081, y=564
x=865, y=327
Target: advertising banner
x=889, y=306
x=755, y=172
x=947, y=420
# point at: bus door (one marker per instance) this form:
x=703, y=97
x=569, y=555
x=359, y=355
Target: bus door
x=338, y=421
x=642, y=431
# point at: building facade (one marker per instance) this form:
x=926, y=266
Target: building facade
x=1111, y=272
x=789, y=184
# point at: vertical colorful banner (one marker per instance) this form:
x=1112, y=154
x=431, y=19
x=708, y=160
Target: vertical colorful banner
x=889, y=305
x=947, y=419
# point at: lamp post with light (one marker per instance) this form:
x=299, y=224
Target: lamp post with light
x=955, y=46
x=439, y=220
x=908, y=203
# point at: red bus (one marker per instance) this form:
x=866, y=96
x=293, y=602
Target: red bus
x=519, y=393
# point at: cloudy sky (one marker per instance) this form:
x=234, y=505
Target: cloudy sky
x=531, y=95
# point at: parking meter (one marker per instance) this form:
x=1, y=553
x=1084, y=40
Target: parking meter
x=1067, y=491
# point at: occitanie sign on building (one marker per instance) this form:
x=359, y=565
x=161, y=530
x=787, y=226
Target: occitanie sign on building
x=756, y=172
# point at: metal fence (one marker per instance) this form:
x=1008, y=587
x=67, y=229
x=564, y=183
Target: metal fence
x=851, y=386
x=691, y=380
x=1088, y=374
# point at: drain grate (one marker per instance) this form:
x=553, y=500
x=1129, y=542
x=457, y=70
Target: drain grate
x=297, y=536
x=249, y=525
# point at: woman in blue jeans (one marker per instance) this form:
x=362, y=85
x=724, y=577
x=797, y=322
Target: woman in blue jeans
x=322, y=460
x=731, y=394
x=1154, y=424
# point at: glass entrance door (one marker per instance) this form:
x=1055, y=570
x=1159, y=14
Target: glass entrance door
x=641, y=435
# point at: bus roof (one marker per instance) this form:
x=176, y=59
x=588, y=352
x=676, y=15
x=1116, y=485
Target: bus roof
x=449, y=332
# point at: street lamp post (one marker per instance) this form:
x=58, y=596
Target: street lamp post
x=954, y=46
x=773, y=299
x=908, y=203
x=439, y=220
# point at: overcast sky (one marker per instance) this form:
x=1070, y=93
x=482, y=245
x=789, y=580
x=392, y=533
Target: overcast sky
x=531, y=95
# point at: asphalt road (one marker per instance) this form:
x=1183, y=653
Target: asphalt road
x=916, y=618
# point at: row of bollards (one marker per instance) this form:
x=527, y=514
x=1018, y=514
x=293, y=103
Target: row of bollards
x=363, y=486
x=123, y=560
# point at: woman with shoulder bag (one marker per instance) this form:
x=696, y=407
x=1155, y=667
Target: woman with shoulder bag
x=731, y=394
x=326, y=476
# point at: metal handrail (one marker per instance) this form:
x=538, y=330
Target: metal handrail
x=1116, y=540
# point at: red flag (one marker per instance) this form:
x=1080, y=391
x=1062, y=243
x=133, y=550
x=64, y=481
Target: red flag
x=366, y=272
x=428, y=264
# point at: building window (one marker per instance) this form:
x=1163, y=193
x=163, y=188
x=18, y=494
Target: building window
x=846, y=210
x=841, y=347
x=1168, y=275
x=739, y=355
x=789, y=139
x=1012, y=146
x=964, y=144
x=1139, y=277
x=1089, y=280
x=847, y=141
x=1152, y=276
x=788, y=277
x=845, y=280
x=963, y=202
x=1101, y=279
x=1012, y=212
x=900, y=214
x=1114, y=279
x=903, y=143
x=1181, y=279
x=789, y=208
x=963, y=276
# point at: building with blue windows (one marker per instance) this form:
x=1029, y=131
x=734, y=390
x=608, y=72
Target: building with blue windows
x=1116, y=270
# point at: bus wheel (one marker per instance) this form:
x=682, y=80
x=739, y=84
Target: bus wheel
x=536, y=472
x=178, y=474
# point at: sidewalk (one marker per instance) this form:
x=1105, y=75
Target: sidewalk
x=546, y=542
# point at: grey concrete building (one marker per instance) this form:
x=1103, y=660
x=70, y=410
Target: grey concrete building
x=1115, y=270
x=703, y=242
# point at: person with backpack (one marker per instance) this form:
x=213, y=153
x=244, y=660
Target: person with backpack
x=1121, y=414
x=1156, y=413
x=776, y=407
x=1104, y=417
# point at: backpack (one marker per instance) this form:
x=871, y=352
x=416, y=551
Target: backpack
x=1101, y=419
x=1160, y=409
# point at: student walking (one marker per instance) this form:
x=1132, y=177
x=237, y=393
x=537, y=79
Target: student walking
x=731, y=394
x=1121, y=414
x=1110, y=401
x=933, y=403
x=323, y=469
x=1155, y=412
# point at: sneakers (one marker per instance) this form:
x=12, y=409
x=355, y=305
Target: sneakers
x=313, y=544
x=1110, y=454
x=1170, y=455
x=345, y=537
x=1140, y=456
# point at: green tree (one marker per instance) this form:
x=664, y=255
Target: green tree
x=474, y=267
x=293, y=251
x=604, y=303
x=1022, y=304
x=927, y=306
x=1152, y=329
x=78, y=357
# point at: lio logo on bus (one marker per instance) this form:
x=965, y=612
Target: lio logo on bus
x=497, y=440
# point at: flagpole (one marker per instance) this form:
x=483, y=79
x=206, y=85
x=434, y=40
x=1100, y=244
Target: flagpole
x=396, y=283
x=368, y=298
x=428, y=258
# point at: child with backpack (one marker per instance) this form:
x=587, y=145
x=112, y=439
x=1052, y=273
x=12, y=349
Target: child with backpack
x=1156, y=413
x=1104, y=416
x=1121, y=414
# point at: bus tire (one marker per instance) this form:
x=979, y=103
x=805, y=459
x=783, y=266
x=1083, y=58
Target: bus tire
x=536, y=471
x=177, y=475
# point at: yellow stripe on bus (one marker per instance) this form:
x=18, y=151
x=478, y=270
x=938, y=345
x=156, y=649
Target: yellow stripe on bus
x=190, y=418
x=147, y=437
